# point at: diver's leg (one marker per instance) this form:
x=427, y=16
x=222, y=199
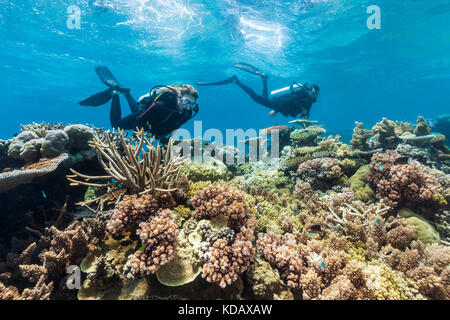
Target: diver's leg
x=265, y=88
x=115, y=114
x=131, y=101
x=257, y=98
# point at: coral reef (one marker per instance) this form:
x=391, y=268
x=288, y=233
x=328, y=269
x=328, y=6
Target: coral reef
x=398, y=182
x=326, y=220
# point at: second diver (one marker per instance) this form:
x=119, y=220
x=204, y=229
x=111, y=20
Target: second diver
x=296, y=101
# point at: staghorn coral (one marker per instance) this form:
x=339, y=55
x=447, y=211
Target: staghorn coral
x=137, y=170
x=158, y=238
x=398, y=183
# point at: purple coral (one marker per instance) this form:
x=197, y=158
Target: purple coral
x=159, y=238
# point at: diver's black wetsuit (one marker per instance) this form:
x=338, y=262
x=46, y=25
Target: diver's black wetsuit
x=292, y=104
x=160, y=118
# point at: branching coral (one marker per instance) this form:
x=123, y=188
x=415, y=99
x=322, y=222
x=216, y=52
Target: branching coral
x=398, y=182
x=133, y=210
x=229, y=255
x=319, y=172
x=227, y=261
x=137, y=170
x=222, y=199
x=360, y=137
x=159, y=238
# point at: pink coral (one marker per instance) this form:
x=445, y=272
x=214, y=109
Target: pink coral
x=133, y=210
x=222, y=199
x=227, y=261
x=159, y=238
x=398, y=182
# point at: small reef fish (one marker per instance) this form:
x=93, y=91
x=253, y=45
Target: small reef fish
x=268, y=131
x=404, y=160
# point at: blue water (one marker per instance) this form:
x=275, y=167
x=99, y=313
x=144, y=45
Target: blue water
x=398, y=72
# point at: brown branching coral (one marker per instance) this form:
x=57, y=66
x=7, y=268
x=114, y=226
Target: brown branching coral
x=46, y=270
x=230, y=255
x=427, y=266
x=222, y=199
x=397, y=182
x=320, y=172
x=227, y=261
x=360, y=137
x=134, y=209
x=282, y=252
x=141, y=168
x=159, y=238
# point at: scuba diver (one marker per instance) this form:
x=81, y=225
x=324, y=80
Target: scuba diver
x=293, y=101
x=161, y=111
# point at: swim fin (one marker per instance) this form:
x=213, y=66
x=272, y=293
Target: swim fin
x=107, y=77
x=250, y=69
x=219, y=83
x=98, y=99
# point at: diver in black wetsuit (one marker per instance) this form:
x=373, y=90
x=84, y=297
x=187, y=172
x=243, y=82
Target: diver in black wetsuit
x=296, y=102
x=161, y=111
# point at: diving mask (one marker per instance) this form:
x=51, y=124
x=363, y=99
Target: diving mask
x=187, y=103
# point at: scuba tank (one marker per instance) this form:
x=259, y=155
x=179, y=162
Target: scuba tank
x=280, y=92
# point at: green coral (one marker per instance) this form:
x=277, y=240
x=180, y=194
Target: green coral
x=183, y=268
x=306, y=136
x=360, y=186
x=387, y=284
x=265, y=282
x=267, y=180
x=423, y=230
x=90, y=194
x=357, y=250
x=212, y=170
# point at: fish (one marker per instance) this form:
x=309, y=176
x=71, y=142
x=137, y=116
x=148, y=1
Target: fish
x=404, y=160
x=316, y=227
x=268, y=131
